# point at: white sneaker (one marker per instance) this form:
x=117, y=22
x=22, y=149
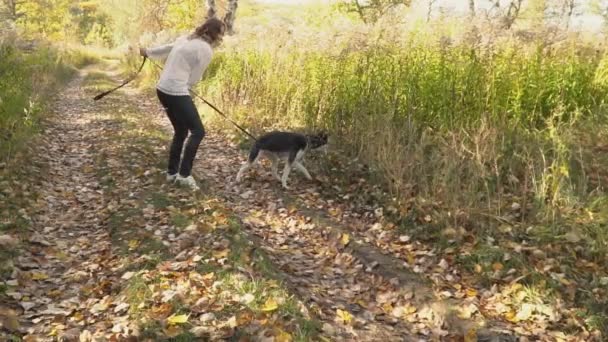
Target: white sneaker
x=171, y=178
x=187, y=181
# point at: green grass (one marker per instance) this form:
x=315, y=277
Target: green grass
x=27, y=82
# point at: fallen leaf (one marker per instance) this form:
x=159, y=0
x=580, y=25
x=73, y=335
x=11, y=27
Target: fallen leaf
x=121, y=307
x=221, y=253
x=282, y=336
x=127, y=275
x=344, y=316
x=345, y=239
x=53, y=332
x=510, y=316
x=232, y=322
x=467, y=311
x=270, y=305
x=172, y=331
x=177, y=319
x=247, y=298
x=39, y=276
x=133, y=244
x=525, y=312
x=471, y=335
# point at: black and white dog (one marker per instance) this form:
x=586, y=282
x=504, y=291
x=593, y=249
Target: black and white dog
x=283, y=145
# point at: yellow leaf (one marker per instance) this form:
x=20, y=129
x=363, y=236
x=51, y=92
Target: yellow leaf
x=478, y=268
x=344, y=316
x=53, y=332
x=515, y=287
x=345, y=239
x=221, y=254
x=467, y=311
x=39, y=276
x=510, y=316
x=270, y=305
x=410, y=309
x=282, y=336
x=471, y=335
x=133, y=244
x=471, y=292
x=497, y=266
x=411, y=258
x=78, y=316
x=179, y=319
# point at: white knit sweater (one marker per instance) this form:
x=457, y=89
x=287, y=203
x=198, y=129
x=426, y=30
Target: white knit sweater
x=187, y=59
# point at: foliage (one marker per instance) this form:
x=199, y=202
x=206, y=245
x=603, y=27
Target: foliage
x=27, y=81
x=371, y=11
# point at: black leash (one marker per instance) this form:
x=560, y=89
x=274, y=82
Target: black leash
x=215, y=108
x=100, y=96
x=224, y=115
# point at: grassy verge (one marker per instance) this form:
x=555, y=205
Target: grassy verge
x=28, y=82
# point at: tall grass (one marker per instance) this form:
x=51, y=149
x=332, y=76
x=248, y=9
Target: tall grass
x=470, y=127
x=441, y=86
x=28, y=78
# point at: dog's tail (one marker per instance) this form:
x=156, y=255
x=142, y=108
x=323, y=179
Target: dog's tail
x=253, y=154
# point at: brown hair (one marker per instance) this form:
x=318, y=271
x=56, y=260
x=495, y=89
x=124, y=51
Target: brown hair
x=210, y=31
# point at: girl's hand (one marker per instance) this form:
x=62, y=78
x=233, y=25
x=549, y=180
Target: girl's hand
x=142, y=52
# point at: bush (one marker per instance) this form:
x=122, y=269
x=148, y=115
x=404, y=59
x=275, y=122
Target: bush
x=27, y=80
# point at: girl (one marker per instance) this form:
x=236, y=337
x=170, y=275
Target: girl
x=187, y=59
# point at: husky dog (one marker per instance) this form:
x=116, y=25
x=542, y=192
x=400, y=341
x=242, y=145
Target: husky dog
x=283, y=145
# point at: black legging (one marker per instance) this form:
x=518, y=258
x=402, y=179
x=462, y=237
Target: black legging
x=184, y=117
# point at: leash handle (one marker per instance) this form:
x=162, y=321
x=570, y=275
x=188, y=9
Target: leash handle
x=100, y=96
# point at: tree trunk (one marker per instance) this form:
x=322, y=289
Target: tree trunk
x=568, y=11
x=211, y=10
x=512, y=13
x=230, y=16
x=11, y=9
x=429, y=10
x=472, y=8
